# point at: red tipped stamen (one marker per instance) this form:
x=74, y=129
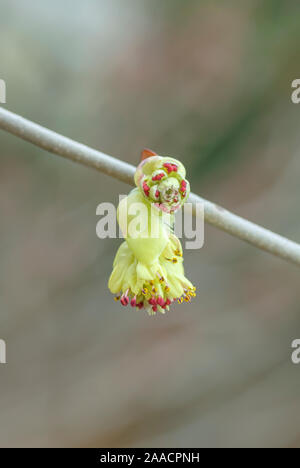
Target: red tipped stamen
x=169, y=167
x=154, y=308
x=140, y=305
x=146, y=189
x=157, y=193
x=133, y=302
x=158, y=176
x=160, y=301
x=124, y=301
x=183, y=185
x=183, y=188
x=152, y=301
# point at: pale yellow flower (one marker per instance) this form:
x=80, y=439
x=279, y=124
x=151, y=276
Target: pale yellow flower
x=148, y=270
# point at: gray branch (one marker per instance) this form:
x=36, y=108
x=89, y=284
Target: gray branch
x=214, y=214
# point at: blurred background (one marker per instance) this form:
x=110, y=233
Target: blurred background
x=207, y=82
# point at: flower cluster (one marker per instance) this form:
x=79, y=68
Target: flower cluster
x=162, y=182
x=148, y=270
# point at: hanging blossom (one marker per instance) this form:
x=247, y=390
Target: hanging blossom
x=148, y=269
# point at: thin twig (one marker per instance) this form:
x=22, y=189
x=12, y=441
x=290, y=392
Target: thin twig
x=214, y=214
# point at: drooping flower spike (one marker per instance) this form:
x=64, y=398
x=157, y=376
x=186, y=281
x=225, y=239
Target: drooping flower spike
x=148, y=269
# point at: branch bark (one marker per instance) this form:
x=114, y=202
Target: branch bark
x=215, y=215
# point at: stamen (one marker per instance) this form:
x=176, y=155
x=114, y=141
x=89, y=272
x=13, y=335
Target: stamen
x=173, y=260
x=146, y=189
x=158, y=176
x=160, y=278
x=183, y=185
x=183, y=188
x=168, y=166
x=124, y=301
x=133, y=302
x=160, y=301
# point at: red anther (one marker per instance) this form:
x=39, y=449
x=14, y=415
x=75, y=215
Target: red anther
x=133, y=302
x=152, y=301
x=160, y=301
x=175, y=200
x=140, y=305
x=158, y=176
x=146, y=189
x=169, y=167
x=154, y=308
x=157, y=193
x=168, y=302
x=124, y=301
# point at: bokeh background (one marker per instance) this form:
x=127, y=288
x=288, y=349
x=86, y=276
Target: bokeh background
x=208, y=82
